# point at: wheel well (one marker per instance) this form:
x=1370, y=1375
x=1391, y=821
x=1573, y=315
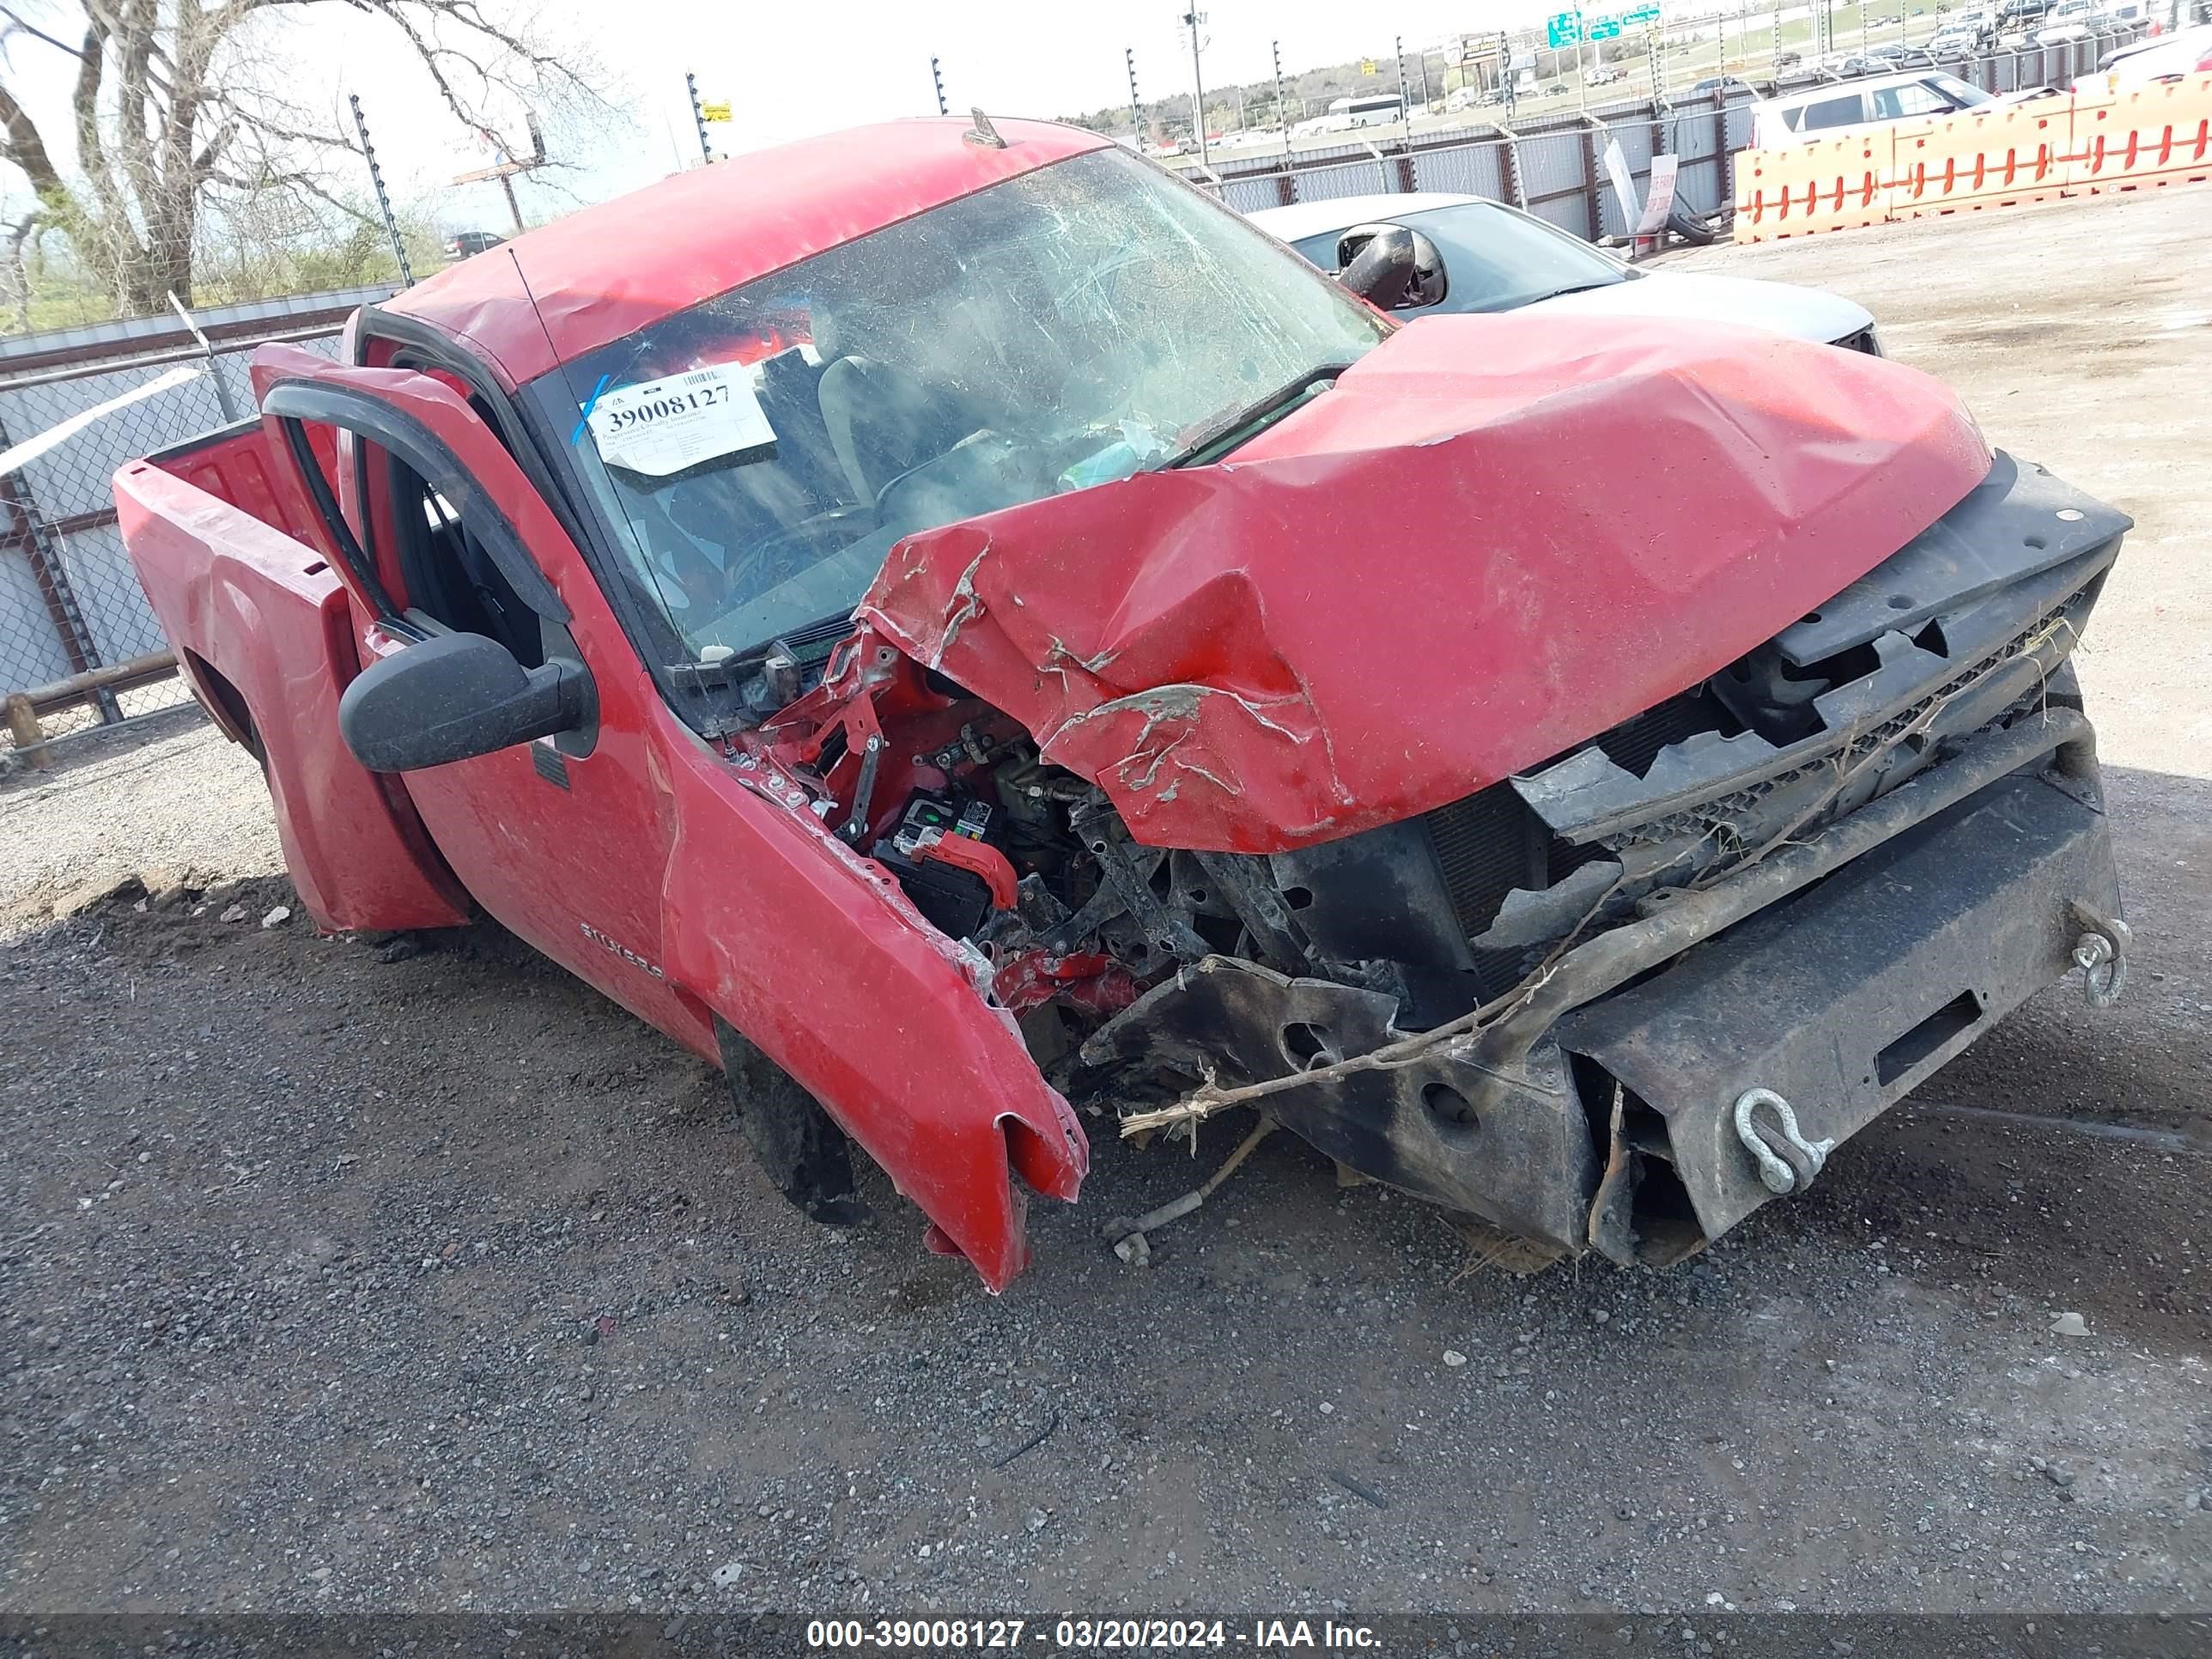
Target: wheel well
x=227, y=703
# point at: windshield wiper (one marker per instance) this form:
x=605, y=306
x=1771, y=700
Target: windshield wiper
x=1226, y=431
x=1585, y=287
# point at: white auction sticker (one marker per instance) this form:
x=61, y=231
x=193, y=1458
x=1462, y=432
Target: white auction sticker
x=661, y=427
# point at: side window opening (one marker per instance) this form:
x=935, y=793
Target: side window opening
x=1895, y=103
x=449, y=573
x=1834, y=112
x=310, y=443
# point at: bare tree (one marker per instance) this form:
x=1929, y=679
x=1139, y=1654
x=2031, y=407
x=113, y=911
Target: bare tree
x=179, y=110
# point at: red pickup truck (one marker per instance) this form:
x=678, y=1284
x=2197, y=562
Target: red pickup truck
x=948, y=621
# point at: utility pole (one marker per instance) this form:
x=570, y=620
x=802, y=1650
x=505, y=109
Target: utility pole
x=1136, y=114
x=505, y=166
x=383, y=201
x=937, y=79
x=1192, y=20
x=698, y=115
x=1282, y=109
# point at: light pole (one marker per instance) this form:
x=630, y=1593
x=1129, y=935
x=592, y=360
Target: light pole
x=1192, y=20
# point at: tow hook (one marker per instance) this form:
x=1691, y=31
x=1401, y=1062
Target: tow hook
x=2101, y=954
x=1774, y=1171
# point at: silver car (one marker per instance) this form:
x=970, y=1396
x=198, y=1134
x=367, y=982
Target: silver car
x=1474, y=254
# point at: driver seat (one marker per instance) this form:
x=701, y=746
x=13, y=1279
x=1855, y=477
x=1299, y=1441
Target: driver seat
x=882, y=422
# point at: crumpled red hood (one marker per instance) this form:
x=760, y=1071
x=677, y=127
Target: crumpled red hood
x=1497, y=537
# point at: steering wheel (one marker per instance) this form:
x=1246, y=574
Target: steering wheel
x=777, y=559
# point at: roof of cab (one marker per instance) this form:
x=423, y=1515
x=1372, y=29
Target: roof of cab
x=587, y=279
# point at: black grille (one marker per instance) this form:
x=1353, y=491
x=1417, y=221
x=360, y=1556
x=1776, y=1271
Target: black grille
x=1491, y=843
x=1486, y=845
x=1634, y=744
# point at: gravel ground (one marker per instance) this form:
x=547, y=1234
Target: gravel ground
x=351, y=1276
x=167, y=798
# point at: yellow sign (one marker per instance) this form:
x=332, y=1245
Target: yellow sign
x=715, y=112
x=1367, y=66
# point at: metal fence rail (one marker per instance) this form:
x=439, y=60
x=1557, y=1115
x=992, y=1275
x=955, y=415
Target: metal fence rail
x=1553, y=166
x=79, y=646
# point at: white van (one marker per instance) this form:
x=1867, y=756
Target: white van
x=1379, y=110
x=1799, y=117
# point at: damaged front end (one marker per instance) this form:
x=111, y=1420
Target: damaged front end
x=1623, y=998
x=1709, y=897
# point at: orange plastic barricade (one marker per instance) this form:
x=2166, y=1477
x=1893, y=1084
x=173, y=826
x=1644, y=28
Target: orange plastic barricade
x=1993, y=156
x=1827, y=184
x=1987, y=157
x=2161, y=134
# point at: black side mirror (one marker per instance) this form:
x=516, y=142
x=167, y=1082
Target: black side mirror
x=454, y=696
x=1390, y=267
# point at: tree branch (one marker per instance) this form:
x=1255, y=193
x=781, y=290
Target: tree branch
x=26, y=148
x=19, y=25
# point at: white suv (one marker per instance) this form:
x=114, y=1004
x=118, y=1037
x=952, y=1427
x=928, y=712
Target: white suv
x=1821, y=111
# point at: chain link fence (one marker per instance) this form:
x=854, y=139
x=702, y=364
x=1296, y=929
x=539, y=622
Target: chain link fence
x=79, y=646
x=1552, y=165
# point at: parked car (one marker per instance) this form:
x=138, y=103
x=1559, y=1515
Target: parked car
x=1720, y=86
x=2019, y=16
x=1847, y=65
x=1900, y=57
x=1788, y=60
x=2067, y=20
x=2160, y=57
x=1798, y=117
x=463, y=245
x=1478, y=255
x=1954, y=41
x=1604, y=75
x=926, y=604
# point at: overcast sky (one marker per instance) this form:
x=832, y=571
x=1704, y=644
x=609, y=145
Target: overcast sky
x=770, y=63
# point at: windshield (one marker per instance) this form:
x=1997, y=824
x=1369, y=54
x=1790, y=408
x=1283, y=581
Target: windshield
x=757, y=456
x=1494, y=258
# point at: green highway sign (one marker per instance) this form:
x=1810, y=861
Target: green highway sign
x=1605, y=28
x=1564, y=29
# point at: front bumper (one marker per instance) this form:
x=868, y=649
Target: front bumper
x=1596, y=1108
x=1839, y=1000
